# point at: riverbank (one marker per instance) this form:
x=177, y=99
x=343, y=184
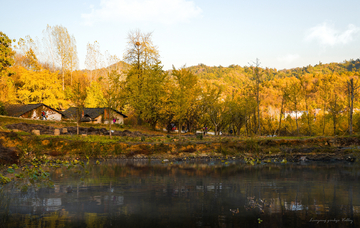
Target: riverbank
x=16, y=147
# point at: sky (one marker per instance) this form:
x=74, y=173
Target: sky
x=280, y=33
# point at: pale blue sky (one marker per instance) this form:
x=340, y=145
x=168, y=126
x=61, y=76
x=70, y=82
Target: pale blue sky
x=281, y=33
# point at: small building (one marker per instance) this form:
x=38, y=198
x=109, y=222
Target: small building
x=96, y=115
x=294, y=114
x=33, y=111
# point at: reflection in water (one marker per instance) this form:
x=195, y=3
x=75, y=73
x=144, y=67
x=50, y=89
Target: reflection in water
x=128, y=194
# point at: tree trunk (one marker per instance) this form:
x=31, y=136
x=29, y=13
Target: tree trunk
x=296, y=119
x=63, y=76
x=349, y=102
x=351, y=105
x=110, y=127
x=153, y=125
x=308, y=116
x=334, y=116
x=246, y=126
x=281, y=112
x=324, y=119
x=110, y=120
x=255, y=122
x=258, y=108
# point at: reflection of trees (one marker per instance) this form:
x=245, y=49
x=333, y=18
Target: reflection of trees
x=192, y=195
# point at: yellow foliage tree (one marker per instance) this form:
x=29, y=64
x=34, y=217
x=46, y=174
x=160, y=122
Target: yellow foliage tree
x=40, y=87
x=95, y=96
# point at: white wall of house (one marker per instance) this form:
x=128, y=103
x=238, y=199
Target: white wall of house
x=51, y=115
x=119, y=118
x=97, y=119
x=36, y=114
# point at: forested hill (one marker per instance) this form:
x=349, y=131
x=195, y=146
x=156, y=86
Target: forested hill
x=234, y=74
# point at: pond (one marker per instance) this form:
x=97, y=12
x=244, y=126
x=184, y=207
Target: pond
x=120, y=193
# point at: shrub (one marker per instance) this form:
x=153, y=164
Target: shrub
x=2, y=109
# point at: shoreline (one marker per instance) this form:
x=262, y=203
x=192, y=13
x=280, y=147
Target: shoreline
x=16, y=146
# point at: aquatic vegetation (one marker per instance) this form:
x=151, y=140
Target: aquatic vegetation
x=36, y=173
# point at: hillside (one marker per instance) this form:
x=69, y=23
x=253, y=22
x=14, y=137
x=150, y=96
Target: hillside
x=235, y=74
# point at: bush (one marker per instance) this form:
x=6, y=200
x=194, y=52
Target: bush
x=2, y=109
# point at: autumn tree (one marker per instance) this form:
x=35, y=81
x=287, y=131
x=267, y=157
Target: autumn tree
x=283, y=89
x=336, y=107
x=352, y=90
x=257, y=78
x=237, y=111
x=183, y=94
x=153, y=95
x=95, y=95
x=141, y=54
x=324, y=89
x=307, y=86
x=140, y=50
x=6, y=61
x=94, y=60
x=77, y=95
x=40, y=87
x=112, y=90
x=295, y=96
x=214, y=106
x=49, y=47
x=65, y=50
x=73, y=58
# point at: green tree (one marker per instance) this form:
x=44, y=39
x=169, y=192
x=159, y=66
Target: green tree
x=112, y=100
x=141, y=54
x=152, y=99
x=77, y=95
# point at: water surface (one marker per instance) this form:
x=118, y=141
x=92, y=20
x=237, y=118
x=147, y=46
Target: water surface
x=204, y=194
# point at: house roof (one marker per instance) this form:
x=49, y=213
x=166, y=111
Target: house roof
x=88, y=112
x=17, y=110
x=70, y=113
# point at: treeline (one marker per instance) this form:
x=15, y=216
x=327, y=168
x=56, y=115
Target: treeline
x=248, y=100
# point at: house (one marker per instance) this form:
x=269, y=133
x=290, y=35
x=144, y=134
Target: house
x=32, y=111
x=96, y=115
x=294, y=114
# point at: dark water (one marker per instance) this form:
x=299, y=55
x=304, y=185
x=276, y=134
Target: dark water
x=211, y=194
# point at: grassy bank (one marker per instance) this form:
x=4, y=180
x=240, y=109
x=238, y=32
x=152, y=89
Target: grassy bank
x=158, y=145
